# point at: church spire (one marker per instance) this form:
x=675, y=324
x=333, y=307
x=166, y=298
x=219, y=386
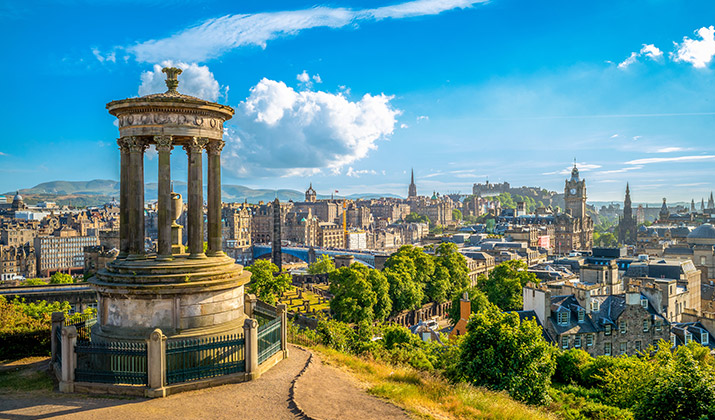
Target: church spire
x=412, y=190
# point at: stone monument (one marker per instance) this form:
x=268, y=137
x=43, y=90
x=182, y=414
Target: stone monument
x=185, y=293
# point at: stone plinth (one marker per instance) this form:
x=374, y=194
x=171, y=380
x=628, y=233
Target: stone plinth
x=183, y=297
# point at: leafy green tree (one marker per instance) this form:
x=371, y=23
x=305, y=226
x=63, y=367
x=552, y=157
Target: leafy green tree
x=501, y=352
x=383, y=303
x=34, y=282
x=447, y=256
x=684, y=388
x=266, y=283
x=353, y=297
x=61, y=278
x=408, y=271
x=416, y=218
x=324, y=264
x=439, y=285
x=505, y=283
x=405, y=292
x=456, y=214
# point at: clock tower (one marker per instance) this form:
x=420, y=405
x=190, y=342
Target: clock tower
x=575, y=194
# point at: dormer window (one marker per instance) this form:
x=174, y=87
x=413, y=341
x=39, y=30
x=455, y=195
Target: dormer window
x=563, y=318
x=594, y=305
x=673, y=340
x=688, y=338
x=704, y=338
x=644, y=303
x=581, y=315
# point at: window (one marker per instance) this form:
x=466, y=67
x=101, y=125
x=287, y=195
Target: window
x=565, y=342
x=658, y=324
x=637, y=345
x=589, y=340
x=594, y=305
x=623, y=348
x=581, y=315
x=608, y=329
x=704, y=338
x=577, y=342
x=673, y=340
x=563, y=318
x=644, y=303
x=688, y=338
x=646, y=325
x=623, y=327
x=607, y=349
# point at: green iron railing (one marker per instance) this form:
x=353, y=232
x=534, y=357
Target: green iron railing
x=193, y=359
x=84, y=327
x=58, y=345
x=269, y=339
x=111, y=363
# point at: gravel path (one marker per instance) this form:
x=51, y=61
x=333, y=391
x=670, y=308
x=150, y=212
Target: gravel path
x=321, y=392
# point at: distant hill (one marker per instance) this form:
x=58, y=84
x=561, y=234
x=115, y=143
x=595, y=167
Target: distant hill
x=101, y=191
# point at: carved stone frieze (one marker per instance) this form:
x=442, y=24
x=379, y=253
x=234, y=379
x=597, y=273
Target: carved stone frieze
x=170, y=118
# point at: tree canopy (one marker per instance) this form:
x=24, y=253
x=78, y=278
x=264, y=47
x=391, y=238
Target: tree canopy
x=265, y=284
x=417, y=218
x=360, y=294
x=324, y=264
x=61, y=278
x=505, y=283
x=501, y=352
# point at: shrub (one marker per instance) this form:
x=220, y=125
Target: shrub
x=569, y=365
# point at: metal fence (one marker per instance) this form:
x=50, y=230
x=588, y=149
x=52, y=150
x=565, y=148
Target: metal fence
x=269, y=339
x=112, y=363
x=83, y=324
x=58, y=346
x=193, y=359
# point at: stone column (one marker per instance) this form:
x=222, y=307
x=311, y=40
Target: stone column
x=123, y=198
x=195, y=217
x=250, y=334
x=164, y=211
x=156, y=364
x=135, y=195
x=69, y=358
x=213, y=150
x=282, y=313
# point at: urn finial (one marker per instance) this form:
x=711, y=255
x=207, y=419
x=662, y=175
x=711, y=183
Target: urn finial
x=172, y=74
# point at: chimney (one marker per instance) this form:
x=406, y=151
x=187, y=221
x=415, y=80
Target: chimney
x=465, y=307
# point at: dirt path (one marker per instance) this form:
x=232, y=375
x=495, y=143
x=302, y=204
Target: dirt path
x=321, y=391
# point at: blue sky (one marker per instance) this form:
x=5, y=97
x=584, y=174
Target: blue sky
x=350, y=95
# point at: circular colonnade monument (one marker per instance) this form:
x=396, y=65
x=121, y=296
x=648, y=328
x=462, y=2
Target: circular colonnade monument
x=185, y=292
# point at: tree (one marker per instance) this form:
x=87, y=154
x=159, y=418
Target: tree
x=61, y=278
x=416, y=218
x=684, y=388
x=505, y=283
x=265, y=284
x=477, y=301
x=34, y=282
x=324, y=264
x=353, y=297
x=408, y=271
x=501, y=352
x=456, y=214
x=405, y=292
x=447, y=255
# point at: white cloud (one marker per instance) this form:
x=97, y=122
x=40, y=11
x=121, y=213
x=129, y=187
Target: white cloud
x=317, y=79
x=214, y=37
x=614, y=136
x=195, y=80
x=668, y=150
x=3, y=154
x=582, y=167
x=283, y=131
x=423, y=118
x=404, y=126
x=356, y=174
x=699, y=53
x=622, y=170
x=303, y=77
x=636, y=137
x=671, y=159
x=112, y=56
x=648, y=50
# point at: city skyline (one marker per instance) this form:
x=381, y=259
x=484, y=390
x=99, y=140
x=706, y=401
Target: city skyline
x=351, y=95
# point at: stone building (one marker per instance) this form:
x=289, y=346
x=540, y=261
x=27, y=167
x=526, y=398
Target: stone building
x=17, y=261
x=330, y=235
x=62, y=251
x=574, y=228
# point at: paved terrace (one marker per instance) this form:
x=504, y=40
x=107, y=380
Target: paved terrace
x=300, y=387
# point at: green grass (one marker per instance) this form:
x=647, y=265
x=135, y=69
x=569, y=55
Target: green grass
x=427, y=396
x=23, y=380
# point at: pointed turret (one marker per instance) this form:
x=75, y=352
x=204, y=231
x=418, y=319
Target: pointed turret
x=711, y=202
x=412, y=190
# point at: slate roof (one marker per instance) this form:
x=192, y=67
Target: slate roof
x=704, y=231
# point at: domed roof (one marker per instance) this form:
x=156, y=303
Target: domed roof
x=18, y=197
x=704, y=231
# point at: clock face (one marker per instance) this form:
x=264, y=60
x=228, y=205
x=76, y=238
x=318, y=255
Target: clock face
x=573, y=190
